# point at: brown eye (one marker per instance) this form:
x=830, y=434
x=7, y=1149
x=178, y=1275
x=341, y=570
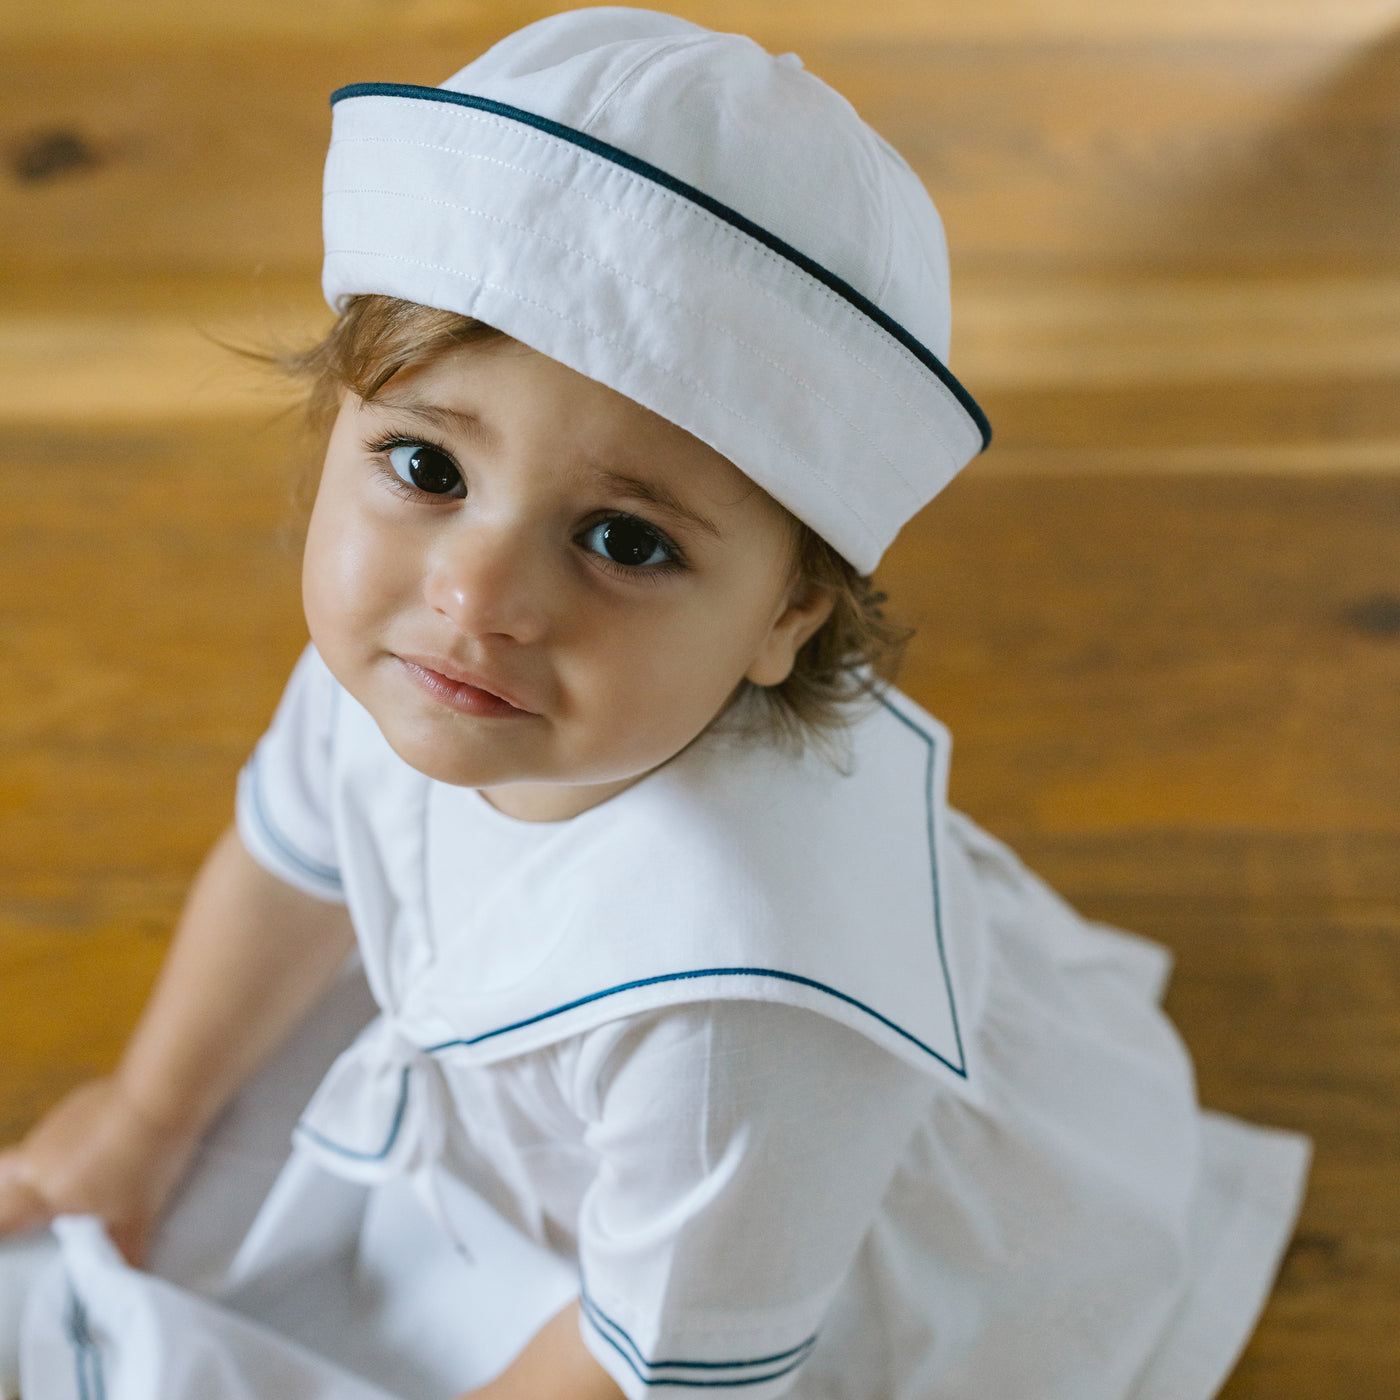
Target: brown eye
x=427, y=468
x=625, y=540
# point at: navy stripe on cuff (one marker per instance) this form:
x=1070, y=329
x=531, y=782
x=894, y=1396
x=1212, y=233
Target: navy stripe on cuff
x=309, y=866
x=758, y=1369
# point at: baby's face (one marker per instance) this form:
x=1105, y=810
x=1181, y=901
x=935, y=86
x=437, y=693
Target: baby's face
x=538, y=587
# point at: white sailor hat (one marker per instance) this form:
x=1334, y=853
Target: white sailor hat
x=677, y=214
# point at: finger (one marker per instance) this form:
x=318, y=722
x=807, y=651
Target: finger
x=21, y=1205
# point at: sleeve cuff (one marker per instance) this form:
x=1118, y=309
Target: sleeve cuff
x=273, y=849
x=758, y=1377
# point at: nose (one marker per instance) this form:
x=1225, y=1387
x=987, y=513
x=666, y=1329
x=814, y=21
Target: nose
x=489, y=582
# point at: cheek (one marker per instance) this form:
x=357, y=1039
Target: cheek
x=344, y=579
x=317, y=591
x=679, y=668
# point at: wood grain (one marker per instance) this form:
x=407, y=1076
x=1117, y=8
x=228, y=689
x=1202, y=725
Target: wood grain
x=774, y=20
x=1190, y=154
x=1173, y=656
x=1101, y=371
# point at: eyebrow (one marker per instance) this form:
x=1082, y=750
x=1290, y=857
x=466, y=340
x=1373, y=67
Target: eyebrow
x=653, y=493
x=462, y=420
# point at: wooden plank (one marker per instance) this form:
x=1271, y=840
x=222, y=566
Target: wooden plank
x=1013, y=330
x=1144, y=329
x=1236, y=423
x=1234, y=155
x=776, y=21
x=149, y=613
x=1193, y=663
x=89, y=351
x=1188, y=868
x=206, y=158
x=1321, y=423
x=1098, y=373
x=69, y=997
x=1292, y=1015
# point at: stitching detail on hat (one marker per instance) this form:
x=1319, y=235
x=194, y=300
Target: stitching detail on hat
x=680, y=306
x=535, y=134
x=840, y=303
x=664, y=49
x=695, y=387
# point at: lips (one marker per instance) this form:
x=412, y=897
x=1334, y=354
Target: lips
x=460, y=690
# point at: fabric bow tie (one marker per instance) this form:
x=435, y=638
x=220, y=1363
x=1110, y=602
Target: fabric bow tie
x=381, y=1112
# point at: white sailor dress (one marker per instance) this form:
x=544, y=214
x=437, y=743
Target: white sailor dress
x=797, y=1080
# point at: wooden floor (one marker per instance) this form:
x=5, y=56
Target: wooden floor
x=1162, y=616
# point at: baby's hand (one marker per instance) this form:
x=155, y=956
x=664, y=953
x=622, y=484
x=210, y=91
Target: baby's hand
x=96, y=1153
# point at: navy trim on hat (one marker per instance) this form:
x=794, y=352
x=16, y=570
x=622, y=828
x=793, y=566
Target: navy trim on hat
x=730, y=216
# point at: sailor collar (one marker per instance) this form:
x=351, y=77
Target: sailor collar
x=734, y=872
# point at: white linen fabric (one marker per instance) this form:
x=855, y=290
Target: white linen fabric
x=762, y=1183
x=705, y=228
x=98, y=1330
x=22, y=1259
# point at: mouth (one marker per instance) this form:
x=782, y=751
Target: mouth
x=459, y=690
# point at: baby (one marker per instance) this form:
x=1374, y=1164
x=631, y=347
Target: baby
x=708, y=1048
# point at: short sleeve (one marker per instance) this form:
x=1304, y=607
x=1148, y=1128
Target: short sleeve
x=283, y=809
x=743, y=1152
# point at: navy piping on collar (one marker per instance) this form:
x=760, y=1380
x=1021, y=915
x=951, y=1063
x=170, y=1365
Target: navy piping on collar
x=691, y=975
x=770, y=240
x=617, y=1338
x=960, y=1068
x=930, y=778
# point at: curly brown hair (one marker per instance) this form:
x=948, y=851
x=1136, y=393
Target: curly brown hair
x=847, y=659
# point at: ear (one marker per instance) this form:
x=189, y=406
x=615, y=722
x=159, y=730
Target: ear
x=808, y=606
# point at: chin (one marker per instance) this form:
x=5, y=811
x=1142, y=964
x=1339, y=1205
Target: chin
x=436, y=761
x=436, y=755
